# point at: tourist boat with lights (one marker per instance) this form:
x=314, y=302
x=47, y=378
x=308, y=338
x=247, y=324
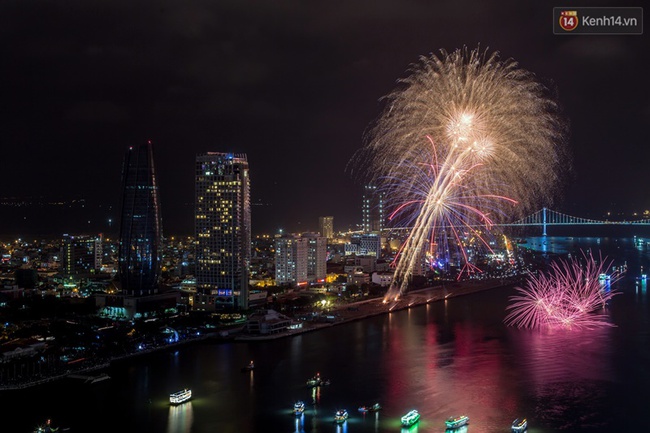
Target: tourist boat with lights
x=456, y=421
x=410, y=418
x=374, y=408
x=46, y=428
x=317, y=381
x=298, y=408
x=341, y=416
x=519, y=425
x=180, y=396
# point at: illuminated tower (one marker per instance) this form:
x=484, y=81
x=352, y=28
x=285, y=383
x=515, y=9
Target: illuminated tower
x=372, y=210
x=326, y=224
x=140, y=225
x=223, y=231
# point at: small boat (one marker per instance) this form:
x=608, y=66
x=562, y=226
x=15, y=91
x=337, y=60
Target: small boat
x=298, y=408
x=317, y=381
x=456, y=421
x=341, y=416
x=249, y=367
x=410, y=418
x=519, y=425
x=46, y=428
x=374, y=408
x=180, y=396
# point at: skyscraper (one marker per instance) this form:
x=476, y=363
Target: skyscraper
x=140, y=224
x=326, y=224
x=372, y=210
x=223, y=231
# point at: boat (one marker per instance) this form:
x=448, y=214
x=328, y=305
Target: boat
x=519, y=425
x=249, y=367
x=180, y=396
x=46, y=428
x=298, y=408
x=410, y=418
x=341, y=416
x=456, y=421
x=374, y=408
x=317, y=381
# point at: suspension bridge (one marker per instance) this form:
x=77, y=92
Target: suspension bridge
x=546, y=217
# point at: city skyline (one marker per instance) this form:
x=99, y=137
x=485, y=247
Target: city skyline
x=293, y=87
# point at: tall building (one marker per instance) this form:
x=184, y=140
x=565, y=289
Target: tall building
x=372, y=210
x=291, y=260
x=140, y=239
x=300, y=259
x=223, y=231
x=326, y=224
x=81, y=255
x=316, y=257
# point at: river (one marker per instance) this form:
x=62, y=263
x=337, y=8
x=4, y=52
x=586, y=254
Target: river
x=446, y=358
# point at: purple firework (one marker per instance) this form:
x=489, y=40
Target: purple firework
x=564, y=297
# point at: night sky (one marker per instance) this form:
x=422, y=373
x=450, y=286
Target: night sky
x=293, y=84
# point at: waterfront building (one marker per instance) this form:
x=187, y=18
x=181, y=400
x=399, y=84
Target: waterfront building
x=140, y=244
x=140, y=238
x=223, y=231
x=372, y=210
x=326, y=224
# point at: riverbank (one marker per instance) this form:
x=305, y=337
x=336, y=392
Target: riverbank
x=373, y=307
x=347, y=313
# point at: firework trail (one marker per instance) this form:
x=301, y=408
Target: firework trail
x=565, y=297
x=465, y=141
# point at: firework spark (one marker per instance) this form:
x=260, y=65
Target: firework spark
x=464, y=142
x=565, y=297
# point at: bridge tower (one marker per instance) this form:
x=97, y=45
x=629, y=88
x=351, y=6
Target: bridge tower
x=543, y=221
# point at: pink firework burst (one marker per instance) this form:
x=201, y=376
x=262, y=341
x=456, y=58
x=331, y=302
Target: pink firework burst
x=567, y=296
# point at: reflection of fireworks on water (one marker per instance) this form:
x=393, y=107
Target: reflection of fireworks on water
x=465, y=138
x=565, y=297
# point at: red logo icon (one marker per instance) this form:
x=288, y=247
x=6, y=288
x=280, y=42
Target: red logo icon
x=568, y=20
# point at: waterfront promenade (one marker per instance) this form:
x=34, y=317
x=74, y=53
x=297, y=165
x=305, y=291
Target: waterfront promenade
x=372, y=307
x=345, y=313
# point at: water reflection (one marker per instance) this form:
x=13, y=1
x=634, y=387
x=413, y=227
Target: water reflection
x=180, y=418
x=342, y=428
x=299, y=425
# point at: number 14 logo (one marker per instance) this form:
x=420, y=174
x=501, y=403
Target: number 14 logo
x=569, y=20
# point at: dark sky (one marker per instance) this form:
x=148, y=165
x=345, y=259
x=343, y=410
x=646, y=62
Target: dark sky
x=293, y=84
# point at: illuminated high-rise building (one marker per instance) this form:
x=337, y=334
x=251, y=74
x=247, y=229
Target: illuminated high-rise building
x=81, y=255
x=140, y=240
x=326, y=224
x=316, y=257
x=223, y=231
x=291, y=260
x=372, y=210
x=300, y=259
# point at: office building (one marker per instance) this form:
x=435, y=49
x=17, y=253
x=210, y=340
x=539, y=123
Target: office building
x=223, y=231
x=139, y=252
